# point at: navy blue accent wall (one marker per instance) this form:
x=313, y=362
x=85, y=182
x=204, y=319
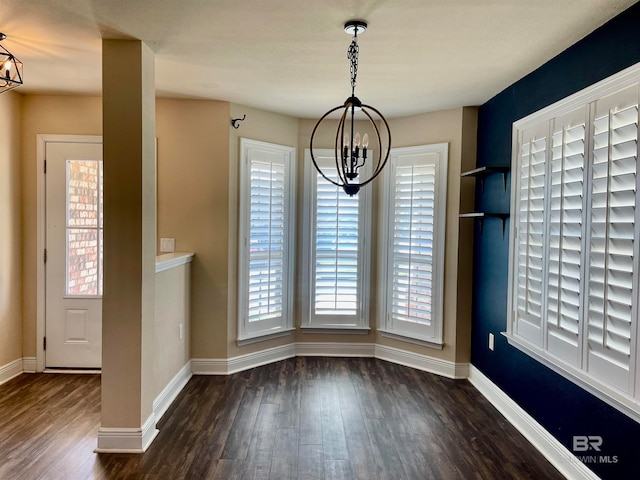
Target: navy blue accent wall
x=559, y=405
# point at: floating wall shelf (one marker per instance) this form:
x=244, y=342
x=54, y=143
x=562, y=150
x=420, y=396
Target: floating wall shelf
x=481, y=173
x=482, y=215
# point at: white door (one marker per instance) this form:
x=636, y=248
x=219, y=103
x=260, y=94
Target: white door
x=74, y=251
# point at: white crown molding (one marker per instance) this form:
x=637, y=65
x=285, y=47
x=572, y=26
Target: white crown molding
x=556, y=453
x=127, y=440
x=11, y=370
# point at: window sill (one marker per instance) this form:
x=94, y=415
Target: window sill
x=263, y=337
x=414, y=340
x=611, y=396
x=337, y=330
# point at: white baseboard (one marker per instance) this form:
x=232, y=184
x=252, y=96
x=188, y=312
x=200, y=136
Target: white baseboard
x=10, y=370
x=426, y=363
x=171, y=391
x=221, y=366
x=137, y=440
x=29, y=364
x=209, y=366
x=127, y=440
x=334, y=349
x=557, y=454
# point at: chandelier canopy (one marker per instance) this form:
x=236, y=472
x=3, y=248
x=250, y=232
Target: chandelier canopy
x=10, y=69
x=352, y=152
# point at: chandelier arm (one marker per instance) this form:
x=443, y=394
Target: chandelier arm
x=313, y=158
x=380, y=163
x=340, y=164
x=380, y=166
x=372, y=121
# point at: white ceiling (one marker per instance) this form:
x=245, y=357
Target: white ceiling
x=289, y=56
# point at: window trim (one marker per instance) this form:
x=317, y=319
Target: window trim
x=386, y=327
x=621, y=401
x=247, y=332
x=362, y=318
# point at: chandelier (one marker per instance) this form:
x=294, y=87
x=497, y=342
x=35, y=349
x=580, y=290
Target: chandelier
x=10, y=69
x=351, y=150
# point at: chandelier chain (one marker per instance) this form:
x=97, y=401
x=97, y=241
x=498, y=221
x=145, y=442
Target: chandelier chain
x=352, y=55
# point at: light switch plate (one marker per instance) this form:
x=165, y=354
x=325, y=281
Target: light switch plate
x=167, y=245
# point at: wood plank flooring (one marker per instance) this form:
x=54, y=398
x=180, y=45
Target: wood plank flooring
x=305, y=418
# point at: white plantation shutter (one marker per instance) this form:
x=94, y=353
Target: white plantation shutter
x=266, y=242
x=336, y=249
x=414, y=248
x=337, y=227
x=565, y=235
x=412, y=242
x=612, y=286
x=532, y=159
x=266, y=239
x=575, y=240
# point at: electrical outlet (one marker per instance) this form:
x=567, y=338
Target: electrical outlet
x=181, y=331
x=491, y=341
x=167, y=245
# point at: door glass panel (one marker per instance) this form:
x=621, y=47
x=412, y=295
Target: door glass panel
x=84, y=227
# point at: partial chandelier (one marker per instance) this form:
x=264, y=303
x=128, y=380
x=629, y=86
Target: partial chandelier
x=10, y=69
x=353, y=151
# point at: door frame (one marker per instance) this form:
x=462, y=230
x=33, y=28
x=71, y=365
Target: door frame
x=41, y=237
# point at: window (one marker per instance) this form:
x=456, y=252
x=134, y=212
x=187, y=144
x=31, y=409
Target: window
x=84, y=227
x=336, y=257
x=575, y=238
x=413, y=236
x=266, y=239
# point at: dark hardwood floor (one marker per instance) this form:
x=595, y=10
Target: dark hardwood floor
x=305, y=418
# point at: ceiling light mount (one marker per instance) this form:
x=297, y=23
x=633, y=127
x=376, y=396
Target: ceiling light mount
x=355, y=27
x=351, y=168
x=10, y=69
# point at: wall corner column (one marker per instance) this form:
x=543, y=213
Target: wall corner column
x=128, y=110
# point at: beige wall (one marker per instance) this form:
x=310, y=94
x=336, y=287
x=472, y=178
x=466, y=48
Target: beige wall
x=193, y=162
x=43, y=114
x=10, y=234
x=198, y=205
x=172, y=310
x=193, y=205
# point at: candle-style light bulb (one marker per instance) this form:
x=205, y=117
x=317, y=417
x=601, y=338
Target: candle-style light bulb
x=345, y=146
x=356, y=139
x=6, y=66
x=365, y=144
